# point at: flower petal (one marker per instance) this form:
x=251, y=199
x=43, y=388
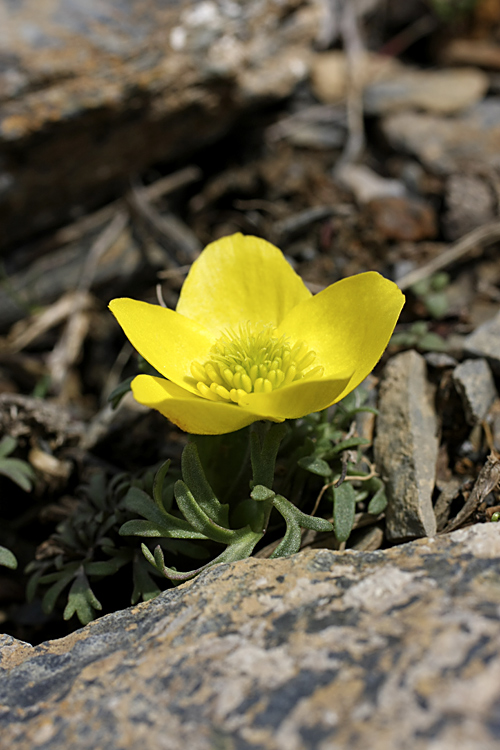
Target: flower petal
x=238, y=279
x=348, y=325
x=167, y=340
x=298, y=399
x=189, y=412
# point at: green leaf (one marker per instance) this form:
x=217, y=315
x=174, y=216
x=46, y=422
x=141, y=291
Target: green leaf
x=315, y=465
x=353, y=442
x=144, y=586
x=51, y=595
x=33, y=582
x=81, y=600
x=433, y=342
x=119, y=392
x=149, y=529
x=344, y=507
x=165, y=523
x=19, y=472
x=197, y=517
x=295, y=519
x=7, y=445
x=240, y=549
x=195, y=479
x=378, y=503
x=158, y=481
x=290, y=511
x=7, y=558
x=107, y=567
x=290, y=544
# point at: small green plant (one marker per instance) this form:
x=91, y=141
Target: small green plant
x=432, y=293
x=86, y=548
x=320, y=446
x=418, y=336
x=17, y=470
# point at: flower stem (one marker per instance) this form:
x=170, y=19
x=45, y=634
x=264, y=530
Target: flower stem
x=265, y=440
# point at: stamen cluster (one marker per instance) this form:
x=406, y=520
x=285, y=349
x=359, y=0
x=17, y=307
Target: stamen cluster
x=252, y=360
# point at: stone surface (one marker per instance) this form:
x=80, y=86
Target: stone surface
x=476, y=386
x=91, y=92
x=406, y=447
x=466, y=143
x=330, y=75
x=485, y=342
x=388, y=650
x=437, y=91
x=469, y=204
x=390, y=86
x=366, y=185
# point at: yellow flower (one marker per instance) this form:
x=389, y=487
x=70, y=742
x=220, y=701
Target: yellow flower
x=248, y=341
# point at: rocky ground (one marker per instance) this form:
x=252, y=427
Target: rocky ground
x=355, y=136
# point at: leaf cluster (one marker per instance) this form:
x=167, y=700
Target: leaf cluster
x=332, y=453
x=86, y=548
x=21, y=473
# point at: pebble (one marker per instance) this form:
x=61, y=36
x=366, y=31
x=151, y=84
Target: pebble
x=406, y=447
x=389, y=86
x=367, y=185
x=476, y=387
x=440, y=360
x=403, y=218
x=485, y=342
x=463, y=144
x=469, y=204
x=442, y=91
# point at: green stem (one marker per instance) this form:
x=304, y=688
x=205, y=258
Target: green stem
x=265, y=440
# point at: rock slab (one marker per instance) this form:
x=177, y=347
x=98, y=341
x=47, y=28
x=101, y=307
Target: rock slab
x=406, y=447
x=476, y=387
x=92, y=92
x=387, y=650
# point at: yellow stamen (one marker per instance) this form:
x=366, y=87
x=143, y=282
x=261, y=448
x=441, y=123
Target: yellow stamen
x=252, y=360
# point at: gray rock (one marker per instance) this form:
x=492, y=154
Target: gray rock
x=469, y=204
x=476, y=386
x=468, y=143
x=406, y=447
x=385, y=650
x=440, y=360
x=91, y=92
x=485, y=342
x=444, y=91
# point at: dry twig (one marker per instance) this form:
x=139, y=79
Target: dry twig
x=487, y=481
x=480, y=237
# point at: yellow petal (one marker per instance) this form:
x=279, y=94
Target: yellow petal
x=189, y=412
x=165, y=339
x=348, y=325
x=298, y=399
x=238, y=279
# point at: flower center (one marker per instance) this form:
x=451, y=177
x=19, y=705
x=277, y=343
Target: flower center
x=252, y=360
